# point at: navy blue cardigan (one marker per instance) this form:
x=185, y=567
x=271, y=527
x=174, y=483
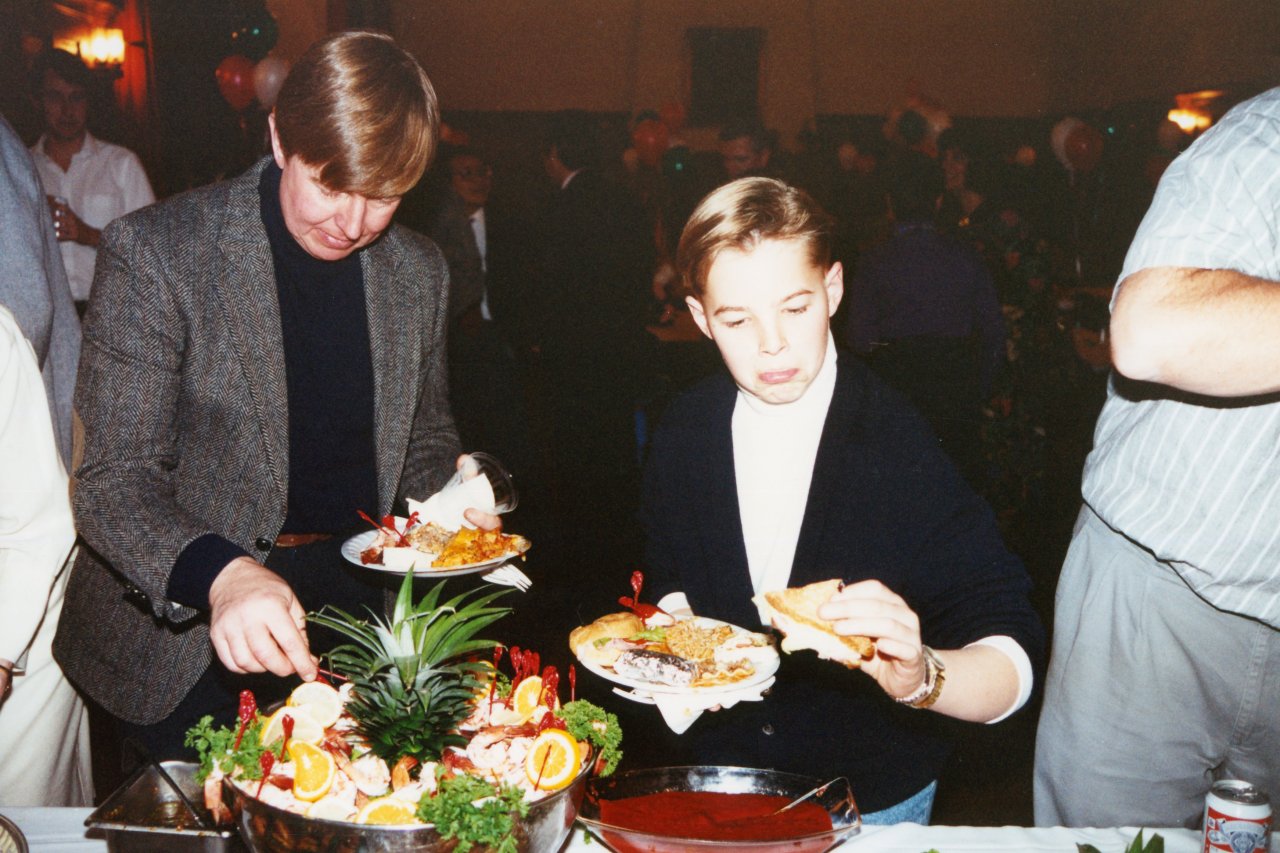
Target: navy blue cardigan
x=884, y=503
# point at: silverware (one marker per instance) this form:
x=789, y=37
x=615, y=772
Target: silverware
x=509, y=575
x=816, y=792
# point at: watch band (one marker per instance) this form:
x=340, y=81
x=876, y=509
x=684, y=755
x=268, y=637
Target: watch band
x=934, y=675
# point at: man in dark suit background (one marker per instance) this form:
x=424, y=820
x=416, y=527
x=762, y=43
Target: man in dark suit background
x=592, y=296
x=266, y=359
x=486, y=393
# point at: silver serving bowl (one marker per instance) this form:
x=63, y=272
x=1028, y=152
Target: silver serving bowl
x=267, y=829
x=837, y=800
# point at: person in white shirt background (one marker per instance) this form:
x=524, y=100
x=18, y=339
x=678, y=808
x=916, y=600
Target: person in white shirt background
x=89, y=182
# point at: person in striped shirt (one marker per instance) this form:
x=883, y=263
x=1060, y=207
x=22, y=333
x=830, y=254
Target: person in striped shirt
x=1165, y=668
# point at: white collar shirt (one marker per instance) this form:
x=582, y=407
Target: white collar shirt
x=103, y=182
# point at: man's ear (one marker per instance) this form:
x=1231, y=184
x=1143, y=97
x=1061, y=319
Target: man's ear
x=276, y=148
x=699, y=314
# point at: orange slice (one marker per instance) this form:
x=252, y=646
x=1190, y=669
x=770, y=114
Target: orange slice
x=320, y=700
x=526, y=697
x=553, y=760
x=313, y=770
x=388, y=811
x=305, y=727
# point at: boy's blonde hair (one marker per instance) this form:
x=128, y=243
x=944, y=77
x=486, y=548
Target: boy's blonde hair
x=744, y=213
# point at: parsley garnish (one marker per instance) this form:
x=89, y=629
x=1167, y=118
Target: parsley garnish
x=215, y=748
x=594, y=724
x=453, y=812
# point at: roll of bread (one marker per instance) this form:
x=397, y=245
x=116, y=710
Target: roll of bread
x=794, y=612
x=591, y=642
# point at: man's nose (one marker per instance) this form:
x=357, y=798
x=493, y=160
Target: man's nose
x=350, y=216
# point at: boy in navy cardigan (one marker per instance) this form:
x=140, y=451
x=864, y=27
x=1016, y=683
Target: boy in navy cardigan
x=800, y=466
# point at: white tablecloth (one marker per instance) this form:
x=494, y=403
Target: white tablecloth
x=63, y=831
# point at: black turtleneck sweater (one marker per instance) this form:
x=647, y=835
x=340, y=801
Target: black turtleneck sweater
x=329, y=376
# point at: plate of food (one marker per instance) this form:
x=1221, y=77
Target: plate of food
x=694, y=655
x=400, y=545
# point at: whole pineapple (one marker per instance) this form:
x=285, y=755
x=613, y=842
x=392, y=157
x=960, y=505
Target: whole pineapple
x=411, y=686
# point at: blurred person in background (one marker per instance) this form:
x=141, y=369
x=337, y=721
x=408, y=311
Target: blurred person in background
x=923, y=309
x=89, y=182
x=746, y=148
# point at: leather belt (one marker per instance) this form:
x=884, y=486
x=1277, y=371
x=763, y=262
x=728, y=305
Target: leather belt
x=293, y=540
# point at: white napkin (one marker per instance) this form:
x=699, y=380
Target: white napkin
x=680, y=710
x=446, y=506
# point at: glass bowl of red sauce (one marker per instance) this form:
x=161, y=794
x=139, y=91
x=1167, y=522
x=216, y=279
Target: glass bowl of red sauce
x=720, y=809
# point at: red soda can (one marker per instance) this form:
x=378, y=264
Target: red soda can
x=1237, y=818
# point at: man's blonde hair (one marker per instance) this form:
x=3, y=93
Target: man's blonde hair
x=744, y=213
x=362, y=111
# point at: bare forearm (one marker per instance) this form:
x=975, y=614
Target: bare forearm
x=981, y=684
x=1210, y=332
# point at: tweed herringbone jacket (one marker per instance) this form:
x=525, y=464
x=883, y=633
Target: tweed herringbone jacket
x=182, y=393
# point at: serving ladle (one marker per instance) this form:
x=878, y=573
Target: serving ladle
x=816, y=792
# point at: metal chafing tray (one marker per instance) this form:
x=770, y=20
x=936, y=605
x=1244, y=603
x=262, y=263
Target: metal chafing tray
x=145, y=814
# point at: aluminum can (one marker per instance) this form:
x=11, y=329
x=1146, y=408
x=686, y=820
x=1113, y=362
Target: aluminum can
x=1237, y=818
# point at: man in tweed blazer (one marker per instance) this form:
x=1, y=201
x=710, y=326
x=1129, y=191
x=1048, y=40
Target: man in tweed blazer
x=191, y=384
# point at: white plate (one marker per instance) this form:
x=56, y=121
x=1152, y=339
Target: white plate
x=764, y=671
x=352, y=547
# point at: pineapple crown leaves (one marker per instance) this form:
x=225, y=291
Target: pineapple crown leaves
x=418, y=637
x=413, y=687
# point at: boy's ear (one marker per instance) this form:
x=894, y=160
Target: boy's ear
x=834, y=284
x=699, y=315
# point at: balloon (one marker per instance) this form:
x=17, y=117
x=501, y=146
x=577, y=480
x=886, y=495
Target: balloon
x=1058, y=139
x=650, y=140
x=672, y=114
x=235, y=81
x=268, y=77
x=1169, y=136
x=255, y=35
x=1084, y=148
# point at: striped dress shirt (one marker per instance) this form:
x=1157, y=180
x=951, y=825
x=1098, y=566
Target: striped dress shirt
x=1197, y=480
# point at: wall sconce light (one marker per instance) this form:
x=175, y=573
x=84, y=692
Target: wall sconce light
x=101, y=49
x=1189, y=120
x=1194, y=111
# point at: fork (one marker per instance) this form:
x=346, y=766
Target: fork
x=509, y=575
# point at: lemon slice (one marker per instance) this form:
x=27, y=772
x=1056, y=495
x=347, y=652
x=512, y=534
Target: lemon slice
x=320, y=700
x=526, y=697
x=553, y=760
x=388, y=811
x=331, y=808
x=313, y=770
x=305, y=728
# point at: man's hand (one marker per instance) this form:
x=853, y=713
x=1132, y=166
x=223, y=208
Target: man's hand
x=68, y=226
x=481, y=519
x=257, y=623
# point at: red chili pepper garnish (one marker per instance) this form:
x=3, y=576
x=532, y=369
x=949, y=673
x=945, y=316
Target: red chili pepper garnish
x=550, y=686
x=573, y=683
x=644, y=611
x=388, y=526
x=266, y=761
x=248, y=708
x=286, y=723
x=537, y=783
x=549, y=721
